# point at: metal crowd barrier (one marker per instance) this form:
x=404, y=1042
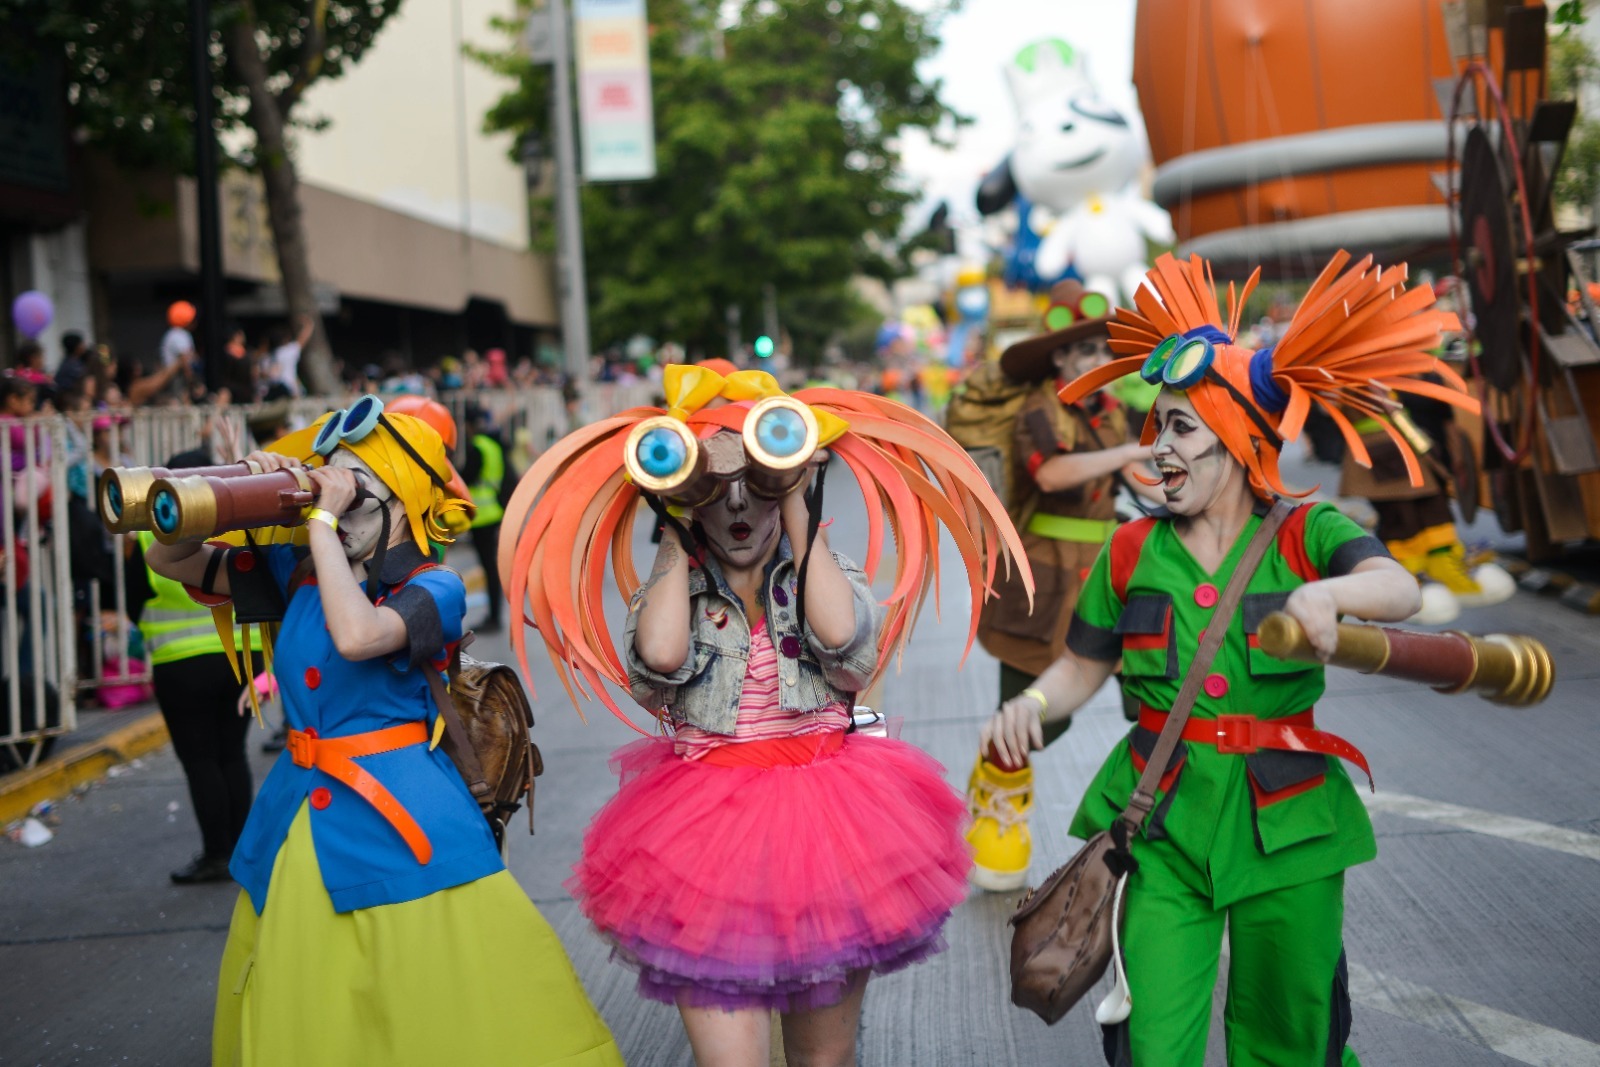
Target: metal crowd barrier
x=43, y=680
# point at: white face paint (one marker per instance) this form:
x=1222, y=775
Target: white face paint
x=1081, y=357
x=362, y=525
x=1196, y=469
x=741, y=528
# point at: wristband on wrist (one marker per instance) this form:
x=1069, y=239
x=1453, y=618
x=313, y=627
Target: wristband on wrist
x=324, y=515
x=1044, y=701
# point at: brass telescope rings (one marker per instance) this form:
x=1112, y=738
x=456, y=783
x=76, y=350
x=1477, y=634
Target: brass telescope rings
x=1509, y=669
x=200, y=503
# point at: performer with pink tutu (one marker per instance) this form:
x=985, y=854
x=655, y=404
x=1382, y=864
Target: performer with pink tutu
x=760, y=854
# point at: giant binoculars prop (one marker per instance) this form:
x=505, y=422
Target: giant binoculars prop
x=664, y=456
x=200, y=503
x=1504, y=668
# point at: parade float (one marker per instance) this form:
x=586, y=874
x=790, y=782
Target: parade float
x=1071, y=178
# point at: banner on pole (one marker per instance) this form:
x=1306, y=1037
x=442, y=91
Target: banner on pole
x=614, y=106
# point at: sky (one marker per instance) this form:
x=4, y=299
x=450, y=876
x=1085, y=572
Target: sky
x=978, y=42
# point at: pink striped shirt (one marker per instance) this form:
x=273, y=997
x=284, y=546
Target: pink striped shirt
x=760, y=717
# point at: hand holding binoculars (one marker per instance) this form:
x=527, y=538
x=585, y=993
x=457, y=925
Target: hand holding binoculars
x=202, y=502
x=773, y=453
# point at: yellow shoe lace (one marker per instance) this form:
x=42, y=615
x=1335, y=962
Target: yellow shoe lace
x=1006, y=805
x=1450, y=570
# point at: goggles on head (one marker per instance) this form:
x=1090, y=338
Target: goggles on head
x=1182, y=361
x=1179, y=362
x=1089, y=306
x=354, y=423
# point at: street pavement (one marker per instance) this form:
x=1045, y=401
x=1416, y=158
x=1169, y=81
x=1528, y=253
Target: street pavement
x=1473, y=939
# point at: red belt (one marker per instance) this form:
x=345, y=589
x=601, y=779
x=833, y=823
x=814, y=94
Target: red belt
x=336, y=756
x=777, y=751
x=1240, y=735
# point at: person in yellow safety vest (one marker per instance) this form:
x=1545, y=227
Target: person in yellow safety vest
x=484, y=471
x=198, y=696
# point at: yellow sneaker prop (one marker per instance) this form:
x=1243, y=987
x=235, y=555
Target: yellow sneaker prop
x=1001, y=844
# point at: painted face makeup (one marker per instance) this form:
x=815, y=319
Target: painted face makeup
x=362, y=525
x=1194, y=466
x=741, y=528
x=1081, y=357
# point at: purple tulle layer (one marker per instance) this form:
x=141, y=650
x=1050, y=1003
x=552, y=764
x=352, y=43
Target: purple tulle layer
x=744, y=887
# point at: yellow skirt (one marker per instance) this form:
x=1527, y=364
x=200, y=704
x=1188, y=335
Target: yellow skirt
x=471, y=975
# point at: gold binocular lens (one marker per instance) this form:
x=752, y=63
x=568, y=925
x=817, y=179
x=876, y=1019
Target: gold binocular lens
x=196, y=506
x=663, y=456
x=124, y=492
x=780, y=437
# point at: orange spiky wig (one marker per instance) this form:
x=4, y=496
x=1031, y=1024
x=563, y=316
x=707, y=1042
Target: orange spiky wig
x=576, y=507
x=1357, y=337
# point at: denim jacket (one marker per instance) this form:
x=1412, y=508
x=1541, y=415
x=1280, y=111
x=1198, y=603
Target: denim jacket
x=705, y=690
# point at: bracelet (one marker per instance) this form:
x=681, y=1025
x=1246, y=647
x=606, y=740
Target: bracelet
x=1044, y=701
x=324, y=515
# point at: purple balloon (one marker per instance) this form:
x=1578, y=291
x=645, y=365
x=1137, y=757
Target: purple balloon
x=32, y=312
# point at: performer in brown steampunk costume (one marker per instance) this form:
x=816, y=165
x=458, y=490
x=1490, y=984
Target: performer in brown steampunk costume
x=1067, y=463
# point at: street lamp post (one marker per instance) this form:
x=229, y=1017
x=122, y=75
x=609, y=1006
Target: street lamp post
x=574, y=297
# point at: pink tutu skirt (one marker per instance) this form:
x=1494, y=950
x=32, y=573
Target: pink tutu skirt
x=767, y=886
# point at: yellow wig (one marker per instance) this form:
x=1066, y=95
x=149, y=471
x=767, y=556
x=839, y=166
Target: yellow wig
x=436, y=514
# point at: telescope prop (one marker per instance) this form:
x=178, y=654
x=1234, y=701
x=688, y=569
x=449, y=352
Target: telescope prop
x=1504, y=668
x=198, y=504
x=124, y=492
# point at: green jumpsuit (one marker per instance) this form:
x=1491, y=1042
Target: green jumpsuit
x=1260, y=840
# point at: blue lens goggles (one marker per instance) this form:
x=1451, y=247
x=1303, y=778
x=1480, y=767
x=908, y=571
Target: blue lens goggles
x=355, y=422
x=351, y=424
x=1179, y=362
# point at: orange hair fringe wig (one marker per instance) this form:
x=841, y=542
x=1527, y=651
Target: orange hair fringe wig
x=576, y=507
x=1356, y=337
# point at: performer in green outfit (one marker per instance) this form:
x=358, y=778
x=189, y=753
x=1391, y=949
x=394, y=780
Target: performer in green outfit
x=1255, y=818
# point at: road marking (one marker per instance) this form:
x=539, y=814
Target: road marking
x=1526, y=831
x=1499, y=1031
x=1510, y=1035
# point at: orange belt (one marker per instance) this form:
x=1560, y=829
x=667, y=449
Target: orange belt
x=1243, y=734
x=336, y=756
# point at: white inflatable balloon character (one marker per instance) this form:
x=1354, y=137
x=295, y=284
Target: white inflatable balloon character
x=1076, y=157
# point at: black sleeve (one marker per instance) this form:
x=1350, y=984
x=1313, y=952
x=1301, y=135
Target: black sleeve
x=472, y=464
x=424, y=630
x=1092, y=642
x=255, y=592
x=1347, y=555
x=136, y=582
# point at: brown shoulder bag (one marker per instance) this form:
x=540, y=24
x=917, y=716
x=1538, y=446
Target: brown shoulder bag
x=1064, y=933
x=487, y=735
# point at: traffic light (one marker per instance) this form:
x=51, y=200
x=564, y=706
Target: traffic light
x=763, y=346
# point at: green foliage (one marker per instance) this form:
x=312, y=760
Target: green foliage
x=128, y=72
x=1574, y=66
x=776, y=126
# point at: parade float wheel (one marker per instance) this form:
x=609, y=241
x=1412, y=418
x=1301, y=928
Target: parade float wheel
x=1488, y=262
x=1518, y=268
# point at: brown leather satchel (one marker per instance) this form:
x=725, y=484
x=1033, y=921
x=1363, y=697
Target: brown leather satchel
x=488, y=721
x=1065, y=932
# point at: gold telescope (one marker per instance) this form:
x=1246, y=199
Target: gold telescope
x=124, y=492
x=202, y=502
x=1509, y=669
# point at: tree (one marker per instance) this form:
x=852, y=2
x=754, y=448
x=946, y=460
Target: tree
x=776, y=153
x=130, y=88
x=1574, y=67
